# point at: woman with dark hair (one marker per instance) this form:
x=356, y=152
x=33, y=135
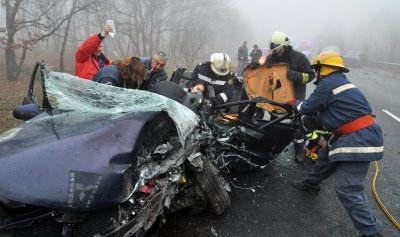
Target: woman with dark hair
x=196, y=86
x=126, y=73
x=130, y=73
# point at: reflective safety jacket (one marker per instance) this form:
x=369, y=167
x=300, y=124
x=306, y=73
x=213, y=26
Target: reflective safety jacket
x=339, y=102
x=222, y=85
x=86, y=65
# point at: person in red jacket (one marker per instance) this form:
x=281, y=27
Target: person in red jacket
x=89, y=57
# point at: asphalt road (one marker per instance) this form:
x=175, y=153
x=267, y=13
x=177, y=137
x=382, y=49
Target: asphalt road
x=264, y=203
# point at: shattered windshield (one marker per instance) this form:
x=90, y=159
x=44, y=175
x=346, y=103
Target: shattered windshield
x=67, y=92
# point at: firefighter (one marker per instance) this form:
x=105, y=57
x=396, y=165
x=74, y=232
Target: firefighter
x=218, y=77
x=356, y=141
x=299, y=72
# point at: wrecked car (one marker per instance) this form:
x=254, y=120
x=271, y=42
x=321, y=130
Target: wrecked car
x=96, y=160
x=244, y=134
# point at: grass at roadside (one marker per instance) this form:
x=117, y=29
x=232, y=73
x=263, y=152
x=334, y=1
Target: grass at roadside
x=11, y=95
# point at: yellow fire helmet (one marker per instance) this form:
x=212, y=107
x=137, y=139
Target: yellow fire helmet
x=328, y=62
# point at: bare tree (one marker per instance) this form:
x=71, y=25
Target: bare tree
x=77, y=6
x=29, y=20
x=187, y=30
x=192, y=43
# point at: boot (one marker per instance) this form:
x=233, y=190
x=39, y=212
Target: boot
x=299, y=154
x=304, y=185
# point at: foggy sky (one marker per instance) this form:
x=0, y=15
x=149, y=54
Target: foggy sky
x=304, y=19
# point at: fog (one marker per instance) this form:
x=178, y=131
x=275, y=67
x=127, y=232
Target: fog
x=349, y=24
x=190, y=30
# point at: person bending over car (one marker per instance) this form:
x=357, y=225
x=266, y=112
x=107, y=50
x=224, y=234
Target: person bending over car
x=155, y=71
x=218, y=77
x=127, y=73
x=130, y=73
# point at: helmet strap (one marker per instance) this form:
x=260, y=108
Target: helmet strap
x=318, y=72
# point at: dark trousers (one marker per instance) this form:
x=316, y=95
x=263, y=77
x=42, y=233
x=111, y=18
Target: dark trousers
x=349, y=186
x=299, y=138
x=241, y=66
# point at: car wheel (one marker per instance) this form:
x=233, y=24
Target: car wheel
x=208, y=178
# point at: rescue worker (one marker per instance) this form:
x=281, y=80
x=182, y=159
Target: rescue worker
x=154, y=69
x=128, y=73
x=218, y=77
x=357, y=140
x=89, y=57
x=299, y=72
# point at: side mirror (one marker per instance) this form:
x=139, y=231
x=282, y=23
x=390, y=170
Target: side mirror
x=25, y=112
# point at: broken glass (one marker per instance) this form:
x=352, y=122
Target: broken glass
x=70, y=93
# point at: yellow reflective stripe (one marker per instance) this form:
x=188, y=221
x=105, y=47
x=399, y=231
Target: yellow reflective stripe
x=322, y=131
x=311, y=135
x=314, y=136
x=356, y=150
x=305, y=77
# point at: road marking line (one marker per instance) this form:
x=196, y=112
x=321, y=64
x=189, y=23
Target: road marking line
x=392, y=115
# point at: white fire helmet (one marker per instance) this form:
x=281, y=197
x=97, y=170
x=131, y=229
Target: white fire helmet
x=221, y=64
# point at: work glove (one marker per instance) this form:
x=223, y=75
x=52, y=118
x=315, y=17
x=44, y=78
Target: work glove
x=297, y=76
x=291, y=102
x=312, y=123
x=193, y=100
x=288, y=106
x=292, y=75
x=215, y=101
x=254, y=65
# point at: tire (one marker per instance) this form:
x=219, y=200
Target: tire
x=208, y=178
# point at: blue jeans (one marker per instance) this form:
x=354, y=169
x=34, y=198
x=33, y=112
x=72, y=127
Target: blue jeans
x=242, y=65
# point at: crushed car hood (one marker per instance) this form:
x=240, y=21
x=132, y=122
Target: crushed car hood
x=59, y=164
x=74, y=155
